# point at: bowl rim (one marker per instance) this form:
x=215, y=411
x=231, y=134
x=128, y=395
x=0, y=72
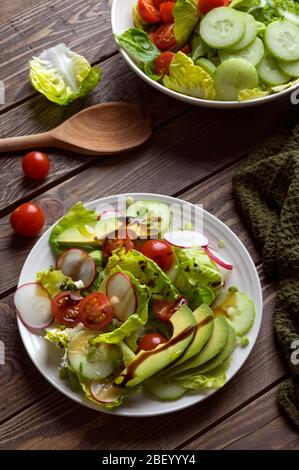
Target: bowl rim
x=187, y=98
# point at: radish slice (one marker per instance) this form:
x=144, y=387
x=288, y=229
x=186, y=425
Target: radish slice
x=121, y=289
x=186, y=238
x=33, y=304
x=109, y=213
x=214, y=255
x=104, y=392
x=78, y=265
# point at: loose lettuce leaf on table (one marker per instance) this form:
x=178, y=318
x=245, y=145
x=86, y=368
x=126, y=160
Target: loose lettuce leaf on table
x=62, y=75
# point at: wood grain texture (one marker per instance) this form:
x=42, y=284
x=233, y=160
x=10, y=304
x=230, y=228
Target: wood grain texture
x=83, y=26
x=53, y=422
x=258, y=426
x=11, y=9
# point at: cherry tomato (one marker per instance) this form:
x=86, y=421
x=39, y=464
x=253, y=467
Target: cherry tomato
x=95, y=311
x=163, y=61
x=206, y=5
x=166, y=12
x=112, y=244
x=36, y=165
x=164, y=37
x=27, y=220
x=186, y=49
x=160, y=252
x=157, y=3
x=163, y=309
x=148, y=11
x=150, y=341
x=65, y=308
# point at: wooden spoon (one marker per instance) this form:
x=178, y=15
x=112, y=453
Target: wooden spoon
x=101, y=129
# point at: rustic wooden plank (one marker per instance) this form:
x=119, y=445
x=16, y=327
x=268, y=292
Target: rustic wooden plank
x=168, y=163
x=258, y=426
x=53, y=422
x=82, y=25
x=11, y=9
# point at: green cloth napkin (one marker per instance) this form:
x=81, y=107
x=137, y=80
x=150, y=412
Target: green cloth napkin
x=266, y=189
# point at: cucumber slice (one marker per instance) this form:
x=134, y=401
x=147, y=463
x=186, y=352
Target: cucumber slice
x=290, y=68
x=155, y=213
x=163, y=390
x=232, y=76
x=282, y=40
x=222, y=27
x=269, y=73
x=238, y=308
x=253, y=53
x=249, y=36
x=207, y=65
x=96, y=367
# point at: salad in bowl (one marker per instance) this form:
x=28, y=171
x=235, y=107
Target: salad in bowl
x=207, y=51
x=136, y=302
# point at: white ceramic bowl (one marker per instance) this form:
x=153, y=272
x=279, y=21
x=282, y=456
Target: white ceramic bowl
x=47, y=357
x=122, y=19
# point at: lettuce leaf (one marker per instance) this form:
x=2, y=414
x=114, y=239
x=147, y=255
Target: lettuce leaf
x=247, y=94
x=244, y=5
x=141, y=49
x=186, y=16
x=213, y=379
x=146, y=271
x=61, y=336
x=285, y=86
x=189, y=79
x=55, y=281
x=62, y=75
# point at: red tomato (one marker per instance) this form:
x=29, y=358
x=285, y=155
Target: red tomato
x=65, y=308
x=112, y=244
x=95, y=311
x=157, y=3
x=166, y=12
x=148, y=12
x=36, y=165
x=150, y=341
x=164, y=37
x=160, y=252
x=27, y=220
x=206, y=5
x=163, y=309
x=162, y=63
x=186, y=49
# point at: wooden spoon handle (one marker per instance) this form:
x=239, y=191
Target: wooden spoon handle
x=34, y=141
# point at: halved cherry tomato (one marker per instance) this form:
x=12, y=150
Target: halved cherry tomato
x=151, y=341
x=166, y=12
x=157, y=3
x=112, y=244
x=163, y=61
x=95, y=311
x=65, y=308
x=36, y=165
x=159, y=251
x=186, y=49
x=163, y=309
x=148, y=11
x=164, y=37
x=27, y=220
x=206, y=5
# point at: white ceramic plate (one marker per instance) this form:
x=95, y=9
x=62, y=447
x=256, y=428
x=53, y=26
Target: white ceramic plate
x=47, y=357
x=122, y=19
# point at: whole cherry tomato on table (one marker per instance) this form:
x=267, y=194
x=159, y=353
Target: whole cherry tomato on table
x=36, y=165
x=27, y=220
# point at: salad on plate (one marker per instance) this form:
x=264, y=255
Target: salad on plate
x=216, y=49
x=136, y=304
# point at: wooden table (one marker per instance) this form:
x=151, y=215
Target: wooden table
x=192, y=154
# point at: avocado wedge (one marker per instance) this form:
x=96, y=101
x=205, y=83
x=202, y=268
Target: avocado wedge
x=213, y=347
x=148, y=363
x=92, y=235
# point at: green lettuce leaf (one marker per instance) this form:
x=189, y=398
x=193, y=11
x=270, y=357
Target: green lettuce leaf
x=137, y=20
x=247, y=94
x=62, y=75
x=135, y=321
x=141, y=49
x=288, y=9
x=145, y=270
x=55, y=281
x=75, y=219
x=213, y=379
x=61, y=336
x=244, y=5
x=189, y=79
x=186, y=16
x=278, y=88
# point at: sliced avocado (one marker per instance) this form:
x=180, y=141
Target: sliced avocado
x=222, y=356
x=238, y=308
x=213, y=347
x=147, y=363
x=93, y=234
x=152, y=212
x=203, y=330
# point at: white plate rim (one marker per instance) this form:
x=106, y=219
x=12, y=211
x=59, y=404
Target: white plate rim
x=170, y=406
